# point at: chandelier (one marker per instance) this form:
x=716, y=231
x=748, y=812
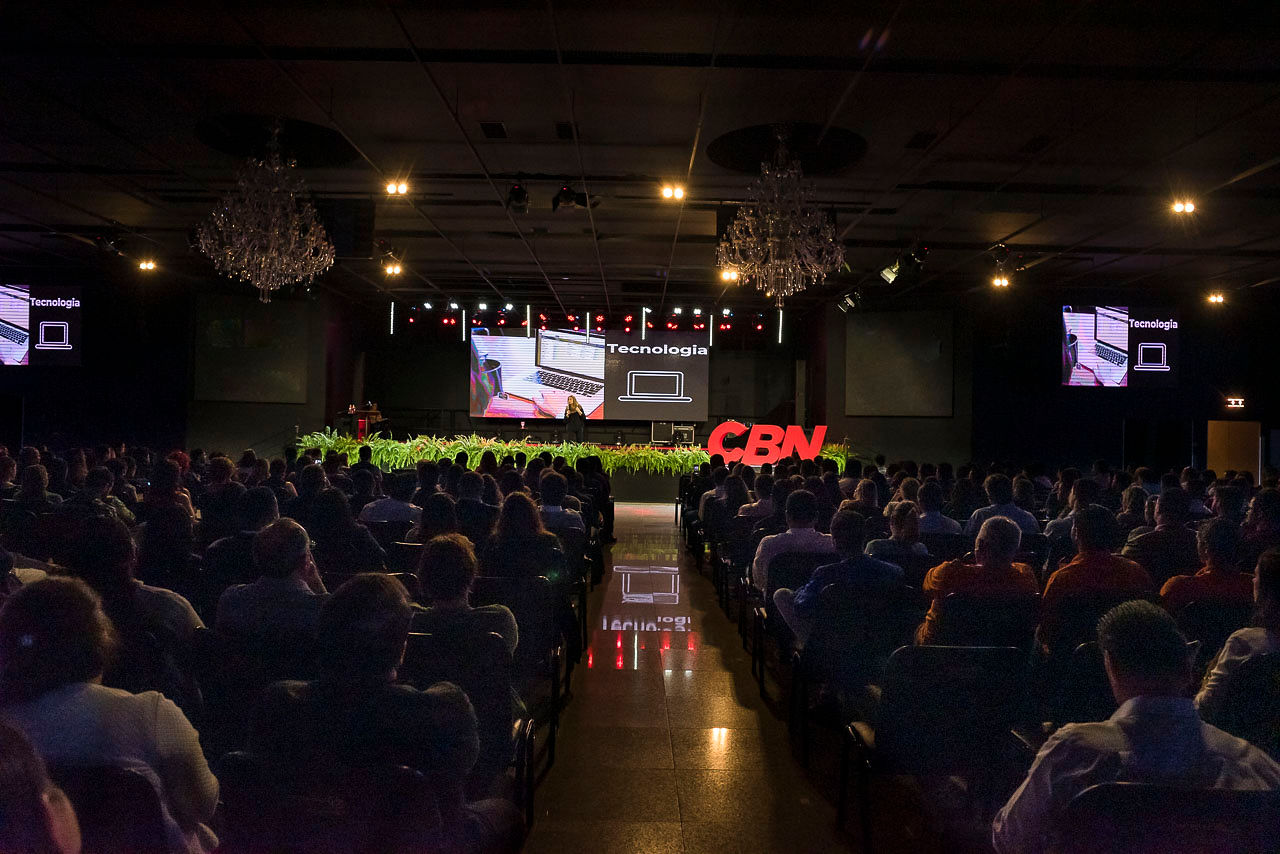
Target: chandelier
x=266, y=232
x=778, y=240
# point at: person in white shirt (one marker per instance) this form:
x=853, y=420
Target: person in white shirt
x=999, y=491
x=553, y=488
x=395, y=507
x=1248, y=642
x=1155, y=736
x=932, y=520
x=800, y=536
x=762, y=507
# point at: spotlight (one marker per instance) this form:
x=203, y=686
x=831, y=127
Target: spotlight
x=908, y=264
x=679, y=192
x=453, y=306
x=397, y=188
x=668, y=192
x=697, y=312
x=599, y=318
x=567, y=198
x=392, y=268
x=726, y=312
x=673, y=191
x=147, y=264
x=508, y=307
x=677, y=310
x=518, y=199
x=729, y=275
x=628, y=318
x=484, y=306
x=1000, y=281
x=1184, y=206
x=391, y=188
x=1217, y=298
x=427, y=306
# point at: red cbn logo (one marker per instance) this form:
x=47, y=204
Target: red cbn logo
x=766, y=443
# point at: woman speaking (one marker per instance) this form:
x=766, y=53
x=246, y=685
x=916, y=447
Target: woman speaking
x=575, y=420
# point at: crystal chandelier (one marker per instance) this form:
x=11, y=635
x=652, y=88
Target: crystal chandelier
x=778, y=240
x=266, y=232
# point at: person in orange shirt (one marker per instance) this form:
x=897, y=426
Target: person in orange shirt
x=990, y=570
x=1094, y=569
x=1219, y=581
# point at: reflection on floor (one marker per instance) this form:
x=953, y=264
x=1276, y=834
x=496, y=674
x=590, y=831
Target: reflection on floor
x=666, y=746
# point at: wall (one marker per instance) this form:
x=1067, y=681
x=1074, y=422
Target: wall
x=919, y=438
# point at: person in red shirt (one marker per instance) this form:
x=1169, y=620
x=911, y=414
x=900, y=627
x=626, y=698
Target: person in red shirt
x=990, y=569
x=1094, y=568
x=1219, y=580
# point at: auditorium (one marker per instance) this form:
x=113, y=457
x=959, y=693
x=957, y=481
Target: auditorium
x=639, y=428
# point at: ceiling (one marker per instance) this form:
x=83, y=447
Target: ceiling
x=1063, y=130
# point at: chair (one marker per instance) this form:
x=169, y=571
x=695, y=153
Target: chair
x=540, y=653
x=944, y=710
x=1137, y=818
x=734, y=556
x=574, y=545
x=854, y=632
x=118, y=808
x=1212, y=622
x=791, y=570
x=946, y=547
x=914, y=567
x=1077, y=617
x=404, y=557
x=1084, y=693
x=480, y=665
x=1034, y=549
x=325, y=809
x=1250, y=704
x=969, y=619
x=387, y=533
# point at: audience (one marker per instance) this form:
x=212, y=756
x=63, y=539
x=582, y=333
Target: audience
x=341, y=544
x=554, y=515
x=476, y=513
x=932, y=520
x=1133, y=509
x=1264, y=637
x=800, y=536
x=445, y=574
x=904, y=535
x=395, y=507
x=520, y=545
x=230, y=560
x=55, y=645
x=286, y=599
x=358, y=715
x=35, y=815
x=1084, y=492
x=1219, y=580
x=762, y=507
x=1000, y=493
x=439, y=516
x=1154, y=737
x=989, y=570
x=1171, y=548
x=860, y=574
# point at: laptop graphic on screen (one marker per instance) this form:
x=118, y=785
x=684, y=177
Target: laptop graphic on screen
x=1152, y=357
x=655, y=387
x=54, y=335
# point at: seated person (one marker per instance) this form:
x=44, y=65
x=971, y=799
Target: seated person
x=1084, y=492
x=554, y=515
x=33, y=493
x=800, y=536
x=8, y=471
x=1261, y=528
x=1094, y=569
x=904, y=535
x=762, y=507
x=1219, y=580
x=96, y=498
x=341, y=543
x=990, y=569
x=856, y=571
x=1133, y=512
x=358, y=715
x=36, y=817
x=445, y=573
x=1155, y=736
x=55, y=642
x=230, y=559
x=286, y=599
x=395, y=507
x=364, y=491
x=1171, y=548
x=520, y=545
x=218, y=501
x=476, y=518
x=999, y=491
x=1248, y=642
x=439, y=516
x=932, y=519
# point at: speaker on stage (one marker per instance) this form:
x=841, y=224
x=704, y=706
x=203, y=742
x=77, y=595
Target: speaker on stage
x=661, y=432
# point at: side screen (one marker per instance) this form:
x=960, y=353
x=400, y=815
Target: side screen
x=663, y=378
x=39, y=325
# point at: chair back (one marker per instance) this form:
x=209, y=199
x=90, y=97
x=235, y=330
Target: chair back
x=1078, y=615
x=914, y=567
x=479, y=664
x=533, y=601
x=1034, y=549
x=1212, y=622
x=387, y=533
x=1250, y=707
x=948, y=709
x=713, y=523
x=574, y=545
x=946, y=547
x=118, y=808
x=1084, y=694
x=1001, y=619
x=792, y=569
x=854, y=632
x=403, y=557
x=325, y=808
x=1137, y=818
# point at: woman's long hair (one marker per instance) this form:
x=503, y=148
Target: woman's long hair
x=574, y=406
x=518, y=518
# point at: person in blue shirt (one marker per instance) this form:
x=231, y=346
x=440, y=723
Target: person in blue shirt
x=857, y=571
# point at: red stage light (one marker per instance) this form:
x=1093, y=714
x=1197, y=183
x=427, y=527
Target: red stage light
x=599, y=329
x=542, y=317
x=502, y=321
x=575, y=327
x=628, y=318
x=572, y=318
x=627, y=330
x=524, y=323
x=543, y=326
x=599, y=318
x=759, y=327
x=411, y=320
x=444, y=321
x=649, y=324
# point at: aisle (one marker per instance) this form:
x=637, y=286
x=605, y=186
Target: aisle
x=666, y=746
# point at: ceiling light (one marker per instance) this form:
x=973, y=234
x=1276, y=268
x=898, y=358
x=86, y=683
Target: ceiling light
x=1217, y=298
x=391, y=188
x=426, y=305
x=508, y=307
x=392, y=269
x=697, y=312
x=668, y=192
x=402, y=188
x=679, y=192
x=729, y=275
x=147, y=264
x=677, y=310
x=1000, y=281
x=453, y=306
x=727, y=312
x=1184, y=206
x=484, y=306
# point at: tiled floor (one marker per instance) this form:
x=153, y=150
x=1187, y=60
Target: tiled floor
x=666, y=746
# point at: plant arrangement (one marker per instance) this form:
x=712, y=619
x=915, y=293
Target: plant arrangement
x=390, y=454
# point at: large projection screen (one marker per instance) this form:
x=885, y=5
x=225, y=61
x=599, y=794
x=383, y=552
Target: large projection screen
x=899, y=364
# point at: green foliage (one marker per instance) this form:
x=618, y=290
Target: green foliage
x=390, y=455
